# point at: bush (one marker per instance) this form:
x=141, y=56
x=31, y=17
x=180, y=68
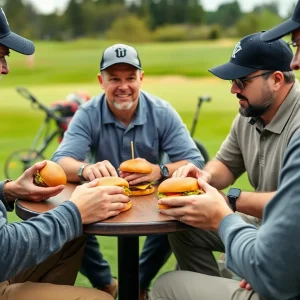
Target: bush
x=129, y=29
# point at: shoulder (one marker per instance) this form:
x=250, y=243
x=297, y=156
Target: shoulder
x=155, y=103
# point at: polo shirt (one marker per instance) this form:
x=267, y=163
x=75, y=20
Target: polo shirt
x=155, y=129
x=250, y=147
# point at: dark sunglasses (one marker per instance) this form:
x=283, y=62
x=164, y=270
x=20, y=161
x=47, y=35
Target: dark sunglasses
x=240, y=82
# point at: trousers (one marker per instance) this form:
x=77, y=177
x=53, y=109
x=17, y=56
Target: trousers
x=53, y=279
x=194, y=248
x=185, y=285
x=156, y=252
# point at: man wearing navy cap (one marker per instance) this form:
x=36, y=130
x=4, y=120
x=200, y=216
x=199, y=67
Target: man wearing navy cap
x=106, y=126
x=40, y=257
x=269, y=119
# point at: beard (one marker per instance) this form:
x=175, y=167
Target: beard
x=256, y=110
x=123, y=106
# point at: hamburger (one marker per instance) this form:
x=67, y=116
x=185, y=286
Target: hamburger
x=178, y=187
x=51, y=175
x=116, y=181
x=138, y=166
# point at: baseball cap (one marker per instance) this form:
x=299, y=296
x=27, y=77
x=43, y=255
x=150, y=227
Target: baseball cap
x=252, y=54
x=120, y=53
x=12, y=40
x=283, y=28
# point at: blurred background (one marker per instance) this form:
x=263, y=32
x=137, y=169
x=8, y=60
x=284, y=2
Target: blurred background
x=178, y=41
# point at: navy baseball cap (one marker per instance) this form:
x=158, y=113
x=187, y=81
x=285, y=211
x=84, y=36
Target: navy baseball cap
x=283, y=28
x=252, y=54
x=120, y=53
x=12, y=40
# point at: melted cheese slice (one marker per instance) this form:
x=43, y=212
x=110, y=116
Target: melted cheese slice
x=143, y=186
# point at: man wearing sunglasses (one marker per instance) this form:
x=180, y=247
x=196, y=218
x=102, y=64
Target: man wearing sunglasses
x=269, y=99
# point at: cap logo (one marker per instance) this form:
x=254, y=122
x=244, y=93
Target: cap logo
x=4, y=15
x=120, y=52
x=236, y=49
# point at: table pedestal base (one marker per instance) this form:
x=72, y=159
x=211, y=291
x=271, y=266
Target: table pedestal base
x=128, y=267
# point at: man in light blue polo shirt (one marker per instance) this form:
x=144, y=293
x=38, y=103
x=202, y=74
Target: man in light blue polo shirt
x=105, y=127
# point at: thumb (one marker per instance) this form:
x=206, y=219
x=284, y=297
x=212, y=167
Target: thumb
x=92, y=183
x=204, y=185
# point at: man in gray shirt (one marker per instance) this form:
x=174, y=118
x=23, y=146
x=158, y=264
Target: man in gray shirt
x=40, y=257
x=266, y=257
x=106, y=125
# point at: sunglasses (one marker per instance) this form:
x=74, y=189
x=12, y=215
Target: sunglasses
x=294, y=43
x=240, y=82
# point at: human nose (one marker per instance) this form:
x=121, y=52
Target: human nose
x=4, y=66
x=235, y=88
x=295, y=63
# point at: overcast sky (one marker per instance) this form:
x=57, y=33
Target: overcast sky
x=47, y=6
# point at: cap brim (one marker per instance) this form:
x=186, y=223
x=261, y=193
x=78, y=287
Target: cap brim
x=231, y=71
x=18, y=43
x=280, y=30
x=120, y=62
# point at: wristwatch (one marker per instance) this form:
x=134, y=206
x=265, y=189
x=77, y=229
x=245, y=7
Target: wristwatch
x=164, y=171
x=232, y=196
x=80, y=171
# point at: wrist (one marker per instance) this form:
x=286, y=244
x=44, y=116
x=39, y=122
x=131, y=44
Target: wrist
x=8, y=191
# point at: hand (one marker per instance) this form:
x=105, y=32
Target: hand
x=100, y=169
x=24, y=187
x=135, y=178
x=190, y=170
x=245, y=285
x=204, y=211
x=97, y=203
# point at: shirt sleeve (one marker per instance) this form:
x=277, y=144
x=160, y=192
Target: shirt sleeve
x=177, y=142
x=268, y=257
x=77, y=139
x=28, y=243
x=230, y=152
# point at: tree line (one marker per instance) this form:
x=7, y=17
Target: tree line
x=140, y=20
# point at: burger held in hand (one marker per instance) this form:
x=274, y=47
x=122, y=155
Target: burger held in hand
x=178, y=187
x=51, y=175
x=116, y=181
x=138, y=166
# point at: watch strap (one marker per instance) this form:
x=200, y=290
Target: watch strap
x=80, y=171
x=9, y=205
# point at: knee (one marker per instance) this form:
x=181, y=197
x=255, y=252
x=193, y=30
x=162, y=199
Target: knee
x=163, y=287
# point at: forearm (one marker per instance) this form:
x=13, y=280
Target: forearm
x=25, y=244
x=253, y=203
x=221, y=176
x=71, y=167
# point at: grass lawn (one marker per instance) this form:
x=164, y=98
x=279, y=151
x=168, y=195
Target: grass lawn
x=19, y=124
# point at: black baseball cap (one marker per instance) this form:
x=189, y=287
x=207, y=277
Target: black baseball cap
x=120, y=53
x=252, y=54
x=12, y=40
x=283, y=28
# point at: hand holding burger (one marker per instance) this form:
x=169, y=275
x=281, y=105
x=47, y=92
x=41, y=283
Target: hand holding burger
x=205, y=210
x=117, y=181
x=139, y=173
x=100, y=199
x=25, y=188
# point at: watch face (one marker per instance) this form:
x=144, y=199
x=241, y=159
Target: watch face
x=233, y=192
x=164, y=171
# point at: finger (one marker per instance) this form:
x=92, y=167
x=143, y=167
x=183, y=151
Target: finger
x=243, y=283
x=176, y=212
x=204, y=185
x=174, y=201
x=111, y=170
x=248, y=287
x=178, y=172
x=91, y=184
x=119, y=198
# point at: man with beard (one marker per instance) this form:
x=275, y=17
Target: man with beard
x=269, y=100
x=105, y=126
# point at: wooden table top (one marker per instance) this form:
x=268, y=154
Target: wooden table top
x=142, y=219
